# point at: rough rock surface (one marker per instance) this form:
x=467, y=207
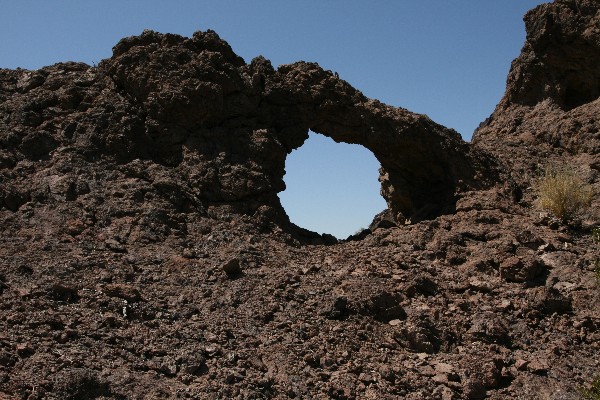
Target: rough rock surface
x=202, y=126
x=144, y=253
x=549, y=112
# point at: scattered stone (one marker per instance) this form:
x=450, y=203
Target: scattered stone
x=418, y=336
x=24, y=350
x=444, y=368
x=366, y=378
x=521, y=365
x=479, y=285
x=383, y=307
x=338, y=310
x=6, y=358
x=383, y=220
x=537, y=367
x=115, y=246
x=233, y=377
x=167, y=366
x=422, y=284
x=80, y=383
x=505, y=305
x=549, y=300
x=122, y=291
x=64, y=293
x=212, y=350
x=193, y=364
x=232, y=267
x=515, y=269
x=481, y=376
x=188, y=253
x=489, y=327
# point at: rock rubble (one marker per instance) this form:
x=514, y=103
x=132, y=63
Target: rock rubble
x=144, y=252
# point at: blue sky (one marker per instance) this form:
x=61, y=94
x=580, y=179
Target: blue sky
x=446, y=59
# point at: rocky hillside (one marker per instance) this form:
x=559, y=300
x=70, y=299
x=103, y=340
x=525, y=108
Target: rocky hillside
x=550, y=109
x=144, y=253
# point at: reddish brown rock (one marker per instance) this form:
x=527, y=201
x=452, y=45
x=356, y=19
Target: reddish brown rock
x=122, y=291
x=148, y=174
x=549, y=111
x=520, y=269
x=207, y=129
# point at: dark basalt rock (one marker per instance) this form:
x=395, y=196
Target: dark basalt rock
x=144, y=252
x=550, y=108
x=218, y=129
x=561, y=58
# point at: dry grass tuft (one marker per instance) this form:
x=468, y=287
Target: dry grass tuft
x=592, y=392
x=563, y=193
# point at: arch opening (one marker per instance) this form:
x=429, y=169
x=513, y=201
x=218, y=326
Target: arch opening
x=331, y=187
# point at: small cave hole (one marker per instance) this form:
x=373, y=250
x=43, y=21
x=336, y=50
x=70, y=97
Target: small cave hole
x=332, y=187
x=577, y=96
x=580, y=90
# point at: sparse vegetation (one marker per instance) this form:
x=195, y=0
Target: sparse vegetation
x=593, y=392
x=596, y=235
x=563, y=193
x=596, y=239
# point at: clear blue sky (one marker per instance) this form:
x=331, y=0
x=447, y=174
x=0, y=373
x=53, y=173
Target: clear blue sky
x=446, y=59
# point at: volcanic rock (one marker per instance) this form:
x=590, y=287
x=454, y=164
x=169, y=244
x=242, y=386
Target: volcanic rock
x=549, y=111
x=129, y=190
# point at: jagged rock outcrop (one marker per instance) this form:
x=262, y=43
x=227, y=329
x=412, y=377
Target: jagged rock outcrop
x=195, y=121
x=560, y=60
x=144, y=253
x=551, y=105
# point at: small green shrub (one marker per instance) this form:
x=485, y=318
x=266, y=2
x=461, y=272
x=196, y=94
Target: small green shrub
x=593, y=392
x=563, y=193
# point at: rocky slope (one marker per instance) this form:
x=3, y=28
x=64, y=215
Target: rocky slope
x=144, y=252
x=550, y=108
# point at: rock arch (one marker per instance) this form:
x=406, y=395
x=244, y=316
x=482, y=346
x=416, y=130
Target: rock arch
x=226, y=126
x=332, y=187
x=423, y=163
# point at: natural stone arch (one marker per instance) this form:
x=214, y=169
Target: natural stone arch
x=223, y=128
x=423, y=163
x=332, y=187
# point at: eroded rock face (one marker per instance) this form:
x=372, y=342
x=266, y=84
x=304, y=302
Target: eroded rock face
x=422, y=162
x=560, y=60
x=139, y=255
x=549, y=112
x=206, y=129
